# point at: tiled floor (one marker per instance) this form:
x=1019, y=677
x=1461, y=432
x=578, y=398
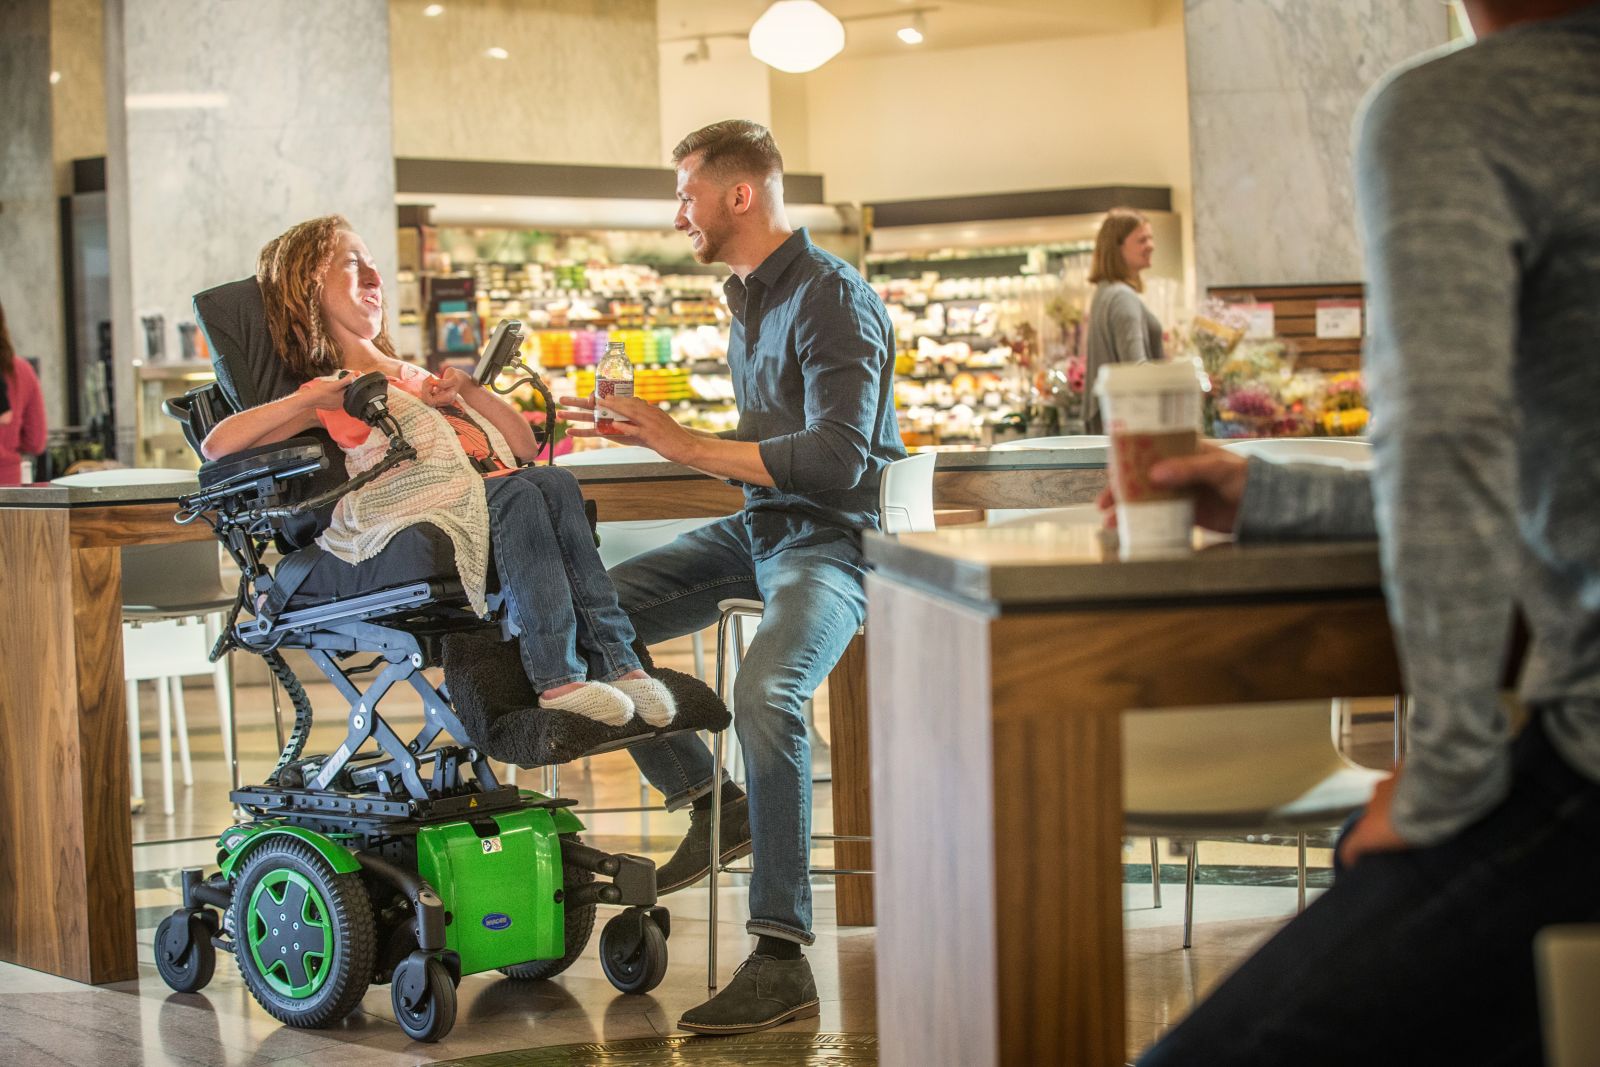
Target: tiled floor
x=45, y=1022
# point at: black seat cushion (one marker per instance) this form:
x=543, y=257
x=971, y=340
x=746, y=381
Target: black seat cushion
x=500, y=711
x=418, y=553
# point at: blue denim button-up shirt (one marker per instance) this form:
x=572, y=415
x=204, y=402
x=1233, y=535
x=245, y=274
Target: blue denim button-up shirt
x=812, y=356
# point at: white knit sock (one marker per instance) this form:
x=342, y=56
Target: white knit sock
x=594, y=700
x=651, y=700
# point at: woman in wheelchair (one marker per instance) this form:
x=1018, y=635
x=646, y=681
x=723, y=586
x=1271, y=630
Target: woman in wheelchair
x=325, y=309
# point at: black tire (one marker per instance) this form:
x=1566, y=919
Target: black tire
x=579, y=928
x=638, y=967
x=192, y=971
x=437, y=1015
x=340, y=907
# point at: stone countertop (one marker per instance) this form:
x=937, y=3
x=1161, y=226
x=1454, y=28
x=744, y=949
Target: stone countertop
x=1056, y=561
x=49, y=495
x=631, y=465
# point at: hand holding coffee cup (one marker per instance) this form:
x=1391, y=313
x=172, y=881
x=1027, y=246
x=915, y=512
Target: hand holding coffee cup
x=1152, y=411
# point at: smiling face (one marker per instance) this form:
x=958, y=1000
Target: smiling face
x=704, y=212
x=1139, y=248
x=352, y=290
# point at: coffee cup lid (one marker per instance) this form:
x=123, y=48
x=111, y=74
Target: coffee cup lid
x=1178, y=375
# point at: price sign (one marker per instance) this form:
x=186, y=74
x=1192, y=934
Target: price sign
x=1262, y=325
x=1338, y=318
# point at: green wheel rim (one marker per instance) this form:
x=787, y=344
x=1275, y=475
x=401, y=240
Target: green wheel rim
x=290, y=936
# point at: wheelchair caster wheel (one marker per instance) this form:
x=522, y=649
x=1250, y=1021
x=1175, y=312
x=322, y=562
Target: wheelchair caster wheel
x=185, y=957
x=424, y=998
x=633, y=951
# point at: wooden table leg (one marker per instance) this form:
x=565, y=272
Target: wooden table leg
x=852, y=783
x=66, y=839
x=1000, y=831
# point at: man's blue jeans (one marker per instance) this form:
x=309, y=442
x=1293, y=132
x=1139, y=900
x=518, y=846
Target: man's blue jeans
x=1420, y=956
x=556, y=587
x=815, y=602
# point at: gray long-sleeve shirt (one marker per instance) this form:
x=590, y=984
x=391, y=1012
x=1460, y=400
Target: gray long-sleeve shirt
x=1121, y=330
x=1478, y=183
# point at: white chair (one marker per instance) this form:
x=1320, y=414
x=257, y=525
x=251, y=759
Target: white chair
x=905, y=500
x=1190, y=773
x=173, y=601
x=1351, y=451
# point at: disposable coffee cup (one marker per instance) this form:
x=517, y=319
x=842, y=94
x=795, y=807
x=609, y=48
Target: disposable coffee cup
x=1152, y=413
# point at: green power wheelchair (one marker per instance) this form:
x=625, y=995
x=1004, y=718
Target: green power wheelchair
x=387, y=860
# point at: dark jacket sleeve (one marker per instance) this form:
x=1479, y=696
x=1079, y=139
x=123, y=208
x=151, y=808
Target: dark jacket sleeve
x=843, y=343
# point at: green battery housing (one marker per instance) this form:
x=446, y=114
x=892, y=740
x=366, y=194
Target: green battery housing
x=500, y=879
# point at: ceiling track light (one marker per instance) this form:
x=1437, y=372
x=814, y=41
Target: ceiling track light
x=701, y=53
x=914, y=31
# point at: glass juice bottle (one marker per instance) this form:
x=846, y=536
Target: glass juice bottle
x=613, y=377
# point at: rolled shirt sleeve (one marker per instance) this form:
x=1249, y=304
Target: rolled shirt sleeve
x=842, y=350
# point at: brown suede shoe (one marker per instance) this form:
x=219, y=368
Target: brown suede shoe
x=692, y=861
x=764, y=993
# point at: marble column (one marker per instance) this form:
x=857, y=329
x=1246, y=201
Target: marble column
x=1274, y=86
x=30, y=230
x=227, y=122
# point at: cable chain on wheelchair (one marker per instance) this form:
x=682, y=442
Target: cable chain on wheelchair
x=298, y=736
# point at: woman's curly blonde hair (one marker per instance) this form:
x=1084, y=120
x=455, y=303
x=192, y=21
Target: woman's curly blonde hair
x=289, y=271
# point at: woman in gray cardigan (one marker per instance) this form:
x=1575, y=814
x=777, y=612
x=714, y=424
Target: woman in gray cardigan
x=1121, y=328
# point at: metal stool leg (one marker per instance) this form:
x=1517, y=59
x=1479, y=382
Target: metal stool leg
x=1400, y=709
x=1301, y=873
x=1188, y=897
x=716, y=807
x=1155, y=873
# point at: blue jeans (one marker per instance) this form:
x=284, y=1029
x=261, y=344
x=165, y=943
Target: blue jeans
x=815, y=602
x=559, y=597
x=1420, y=956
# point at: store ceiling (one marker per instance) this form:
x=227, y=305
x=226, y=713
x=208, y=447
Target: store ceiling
x=948, y=23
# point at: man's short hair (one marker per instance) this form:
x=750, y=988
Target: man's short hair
x=734, y=148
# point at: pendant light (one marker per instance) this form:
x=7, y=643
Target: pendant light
x=796, y=36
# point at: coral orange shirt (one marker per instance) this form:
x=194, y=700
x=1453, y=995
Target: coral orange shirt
x=348, y=431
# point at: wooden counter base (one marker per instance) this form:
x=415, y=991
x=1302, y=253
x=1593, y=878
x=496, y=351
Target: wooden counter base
x=999, y=817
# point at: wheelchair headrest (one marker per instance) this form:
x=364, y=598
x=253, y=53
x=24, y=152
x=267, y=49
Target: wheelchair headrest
x=234, y=321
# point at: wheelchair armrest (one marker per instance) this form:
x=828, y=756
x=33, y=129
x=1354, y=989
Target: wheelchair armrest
x=198, y=411
x=257, y=472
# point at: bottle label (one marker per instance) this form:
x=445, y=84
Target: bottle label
x=604, y=419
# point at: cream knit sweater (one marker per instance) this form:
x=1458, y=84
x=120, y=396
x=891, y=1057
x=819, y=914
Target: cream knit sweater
x=440, y=486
